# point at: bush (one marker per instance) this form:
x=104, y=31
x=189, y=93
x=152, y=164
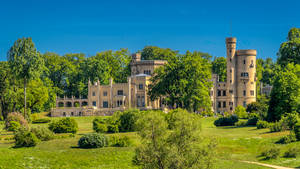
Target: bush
x=113, y=124
x=253, y=118
x=241, y=124
x=100, y=128
x=262, y=124
x=292, y=152
x=24, y=138
x=271, y=153
x=226, y=121
x=117, y=141
x=43, y=133
x=291, y=120
x=43, y=120
x=13, y=126
x=17, y=117
x=127, y=120
x=65, y=125
x=278, y=126
x=297, y=131
x=240, y=112
x=287, y=139
x=93, y=140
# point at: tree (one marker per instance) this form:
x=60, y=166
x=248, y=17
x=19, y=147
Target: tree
x=285, y=95
x=259, y=107
x=183, y=82
x=289, y=51
x=219, y=67
x=180, y=148
x=25, y=62
x=156, y=53
x=240, y=111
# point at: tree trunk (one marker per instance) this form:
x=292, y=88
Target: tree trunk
x=25, y=98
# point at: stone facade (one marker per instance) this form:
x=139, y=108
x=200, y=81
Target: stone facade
x=240, y=85
x=106, y=99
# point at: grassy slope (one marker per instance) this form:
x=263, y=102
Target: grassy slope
x=234, y=144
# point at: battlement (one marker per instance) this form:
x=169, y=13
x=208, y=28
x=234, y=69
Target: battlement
x=231, y=40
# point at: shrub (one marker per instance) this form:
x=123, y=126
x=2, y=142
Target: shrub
x=43, y=133
x=65, y=125
x=127, y=120
x=226, y=121
x=271, y=153
x=111, y=128
x=291, y=119
x=278, y=126
x=292, y=152
x=93, y=140
x=287, y=139
x=113, y=124
x=240, y=112
x=262, y=124
x=24, y=138
x=117, y=141
x=253, y=118
x=17, y=117
x=99, y=127
x=297, y=131
x=241, y=124
x=13, y=126
x=43, y=120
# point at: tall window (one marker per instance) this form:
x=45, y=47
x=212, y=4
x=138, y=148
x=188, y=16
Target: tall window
x=94, y=104
x=141, y=86
x=219, y=104
x=244, y=92
x=244, y=61
x=219, y=93
x=224, y=104
x=224, y=92
x=94, y=94
x=252, y=92
x=244, y=104
x=105, y=104
x=105, y=93
x=120, y=93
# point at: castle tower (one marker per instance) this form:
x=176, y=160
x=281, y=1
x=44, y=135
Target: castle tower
x=245, y=77
x=231, y=75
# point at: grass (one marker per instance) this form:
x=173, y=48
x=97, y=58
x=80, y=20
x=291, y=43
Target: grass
x=234, y=144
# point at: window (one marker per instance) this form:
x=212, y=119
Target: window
x=244, y=62
x=230, y=70
x=94, y=104
x=244, y=74
x=120, y=92
x=141, y=86
x=147, y=72
x=219, y=104
x=252, y=83
x=64, y=114
x=119, y=103
x=224, y=92
x=252, y=92
x=219, y=92
x=94, y=94
x=230, y=103
x=231, y=91
x=230, y=59
x=230, y=108
x=72, y=113
x=224, y=104
x=105, y=93
x=244, y=92
x=244, y=104
x=105, y=104
x=230, y=81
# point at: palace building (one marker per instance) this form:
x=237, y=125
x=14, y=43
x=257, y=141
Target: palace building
x=239, y=88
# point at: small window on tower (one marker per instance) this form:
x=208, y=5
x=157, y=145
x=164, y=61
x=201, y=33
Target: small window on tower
x=252, y=92
x=94, y=94
x=230, y=59
x=244, y=62
x=244, y=92
x=230, y=70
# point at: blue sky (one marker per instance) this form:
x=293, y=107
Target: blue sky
x=65, y=26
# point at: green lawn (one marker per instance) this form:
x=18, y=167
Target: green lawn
x=234, y=144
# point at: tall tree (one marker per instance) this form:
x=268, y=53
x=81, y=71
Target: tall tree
x=285, y=95
x=183, y=82
x=219, y=67
x=289, y=51
x=25, y=62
